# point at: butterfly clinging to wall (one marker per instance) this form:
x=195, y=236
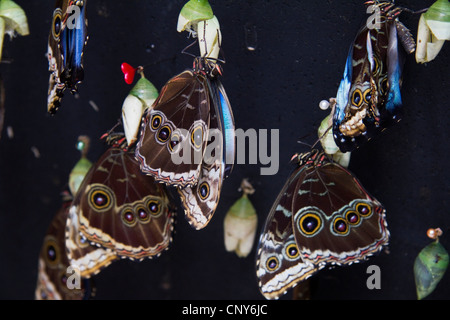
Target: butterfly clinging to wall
x=66, y=43
x=369, y=99
x=322, y=216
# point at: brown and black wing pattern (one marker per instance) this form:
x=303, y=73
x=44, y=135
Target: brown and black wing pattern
x=89, y=259
x=53, y=272
x=121, y=209
x=335, y=220
x=175, y=130
x=279, y=265
x=200, y=201
x=322, y=216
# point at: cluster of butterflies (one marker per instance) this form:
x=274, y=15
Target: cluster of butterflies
x=123, y=208
x=322, y=216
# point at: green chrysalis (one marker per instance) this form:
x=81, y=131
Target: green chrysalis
x=429, y=268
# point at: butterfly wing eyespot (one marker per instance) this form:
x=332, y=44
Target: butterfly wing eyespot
x=175, y=140
x=364, y=209
x=101, y=198
x=52, y=252
x=81, y=241
x=357, y=98
x=154, y=207
x=156, y=122
x=62, y=277
x=353, y=218
x=272, y=263
x=367, y=95
x=128, y=217
x=291, y=251
x=204, y=190
x=340, y=226
x=197, y=137
x=309, y=223
x=142, y=215
x=377, y=68
x=164, y=134
x=384, y=85
x=57, y=24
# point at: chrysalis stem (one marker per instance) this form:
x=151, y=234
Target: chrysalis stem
x=246, y=187
x=83, y=145
x=140, y=70
x=434, y=233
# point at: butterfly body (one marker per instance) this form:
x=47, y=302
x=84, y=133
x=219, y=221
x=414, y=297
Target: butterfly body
x=66, y=43
x=369, y=99
x=323, y=216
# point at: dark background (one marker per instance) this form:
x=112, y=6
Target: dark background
x=299, y=60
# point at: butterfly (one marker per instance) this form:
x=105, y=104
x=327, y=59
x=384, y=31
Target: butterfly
x=369, y=99
x=322, y=216
x=119, y=209
x=187, y=139
x=53, y=270
x=67, y=40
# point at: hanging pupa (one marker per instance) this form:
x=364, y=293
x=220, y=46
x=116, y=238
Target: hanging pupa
x=193, y=12
x=81, y=168
x=13, y=20
x=433, y=30
x=430, y=265
x=240, y=223
x=325, y=134
x=141, y=97
x=198, y=18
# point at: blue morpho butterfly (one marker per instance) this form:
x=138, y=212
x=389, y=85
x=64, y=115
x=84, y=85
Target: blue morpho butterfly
x=369, y=99
x=322, y=216
x=187, y=139
x=66, y=42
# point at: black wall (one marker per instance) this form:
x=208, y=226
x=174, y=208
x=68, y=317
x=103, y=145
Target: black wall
x=299, y=60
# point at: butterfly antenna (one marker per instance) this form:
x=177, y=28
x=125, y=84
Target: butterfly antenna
x=321, y=137
x=221, y=51
x=403, y=9
x=110, y=131
x=300, y=140
x=184, y=51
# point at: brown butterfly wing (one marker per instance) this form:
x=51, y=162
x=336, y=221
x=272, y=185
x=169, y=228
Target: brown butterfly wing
x=122, y=209
x=279, y=265
x=53, y=265
x=334, y=219
x=200, y=201
x=89, y=259
x=181, y=114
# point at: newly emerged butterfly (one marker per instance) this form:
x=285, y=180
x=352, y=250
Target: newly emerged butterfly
x=66, y=43
x=369, y=98
x=187, y=139
x=322, y=216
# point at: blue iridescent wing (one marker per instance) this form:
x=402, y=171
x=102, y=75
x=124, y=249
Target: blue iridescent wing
x=368, y=99
x=66, y=43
